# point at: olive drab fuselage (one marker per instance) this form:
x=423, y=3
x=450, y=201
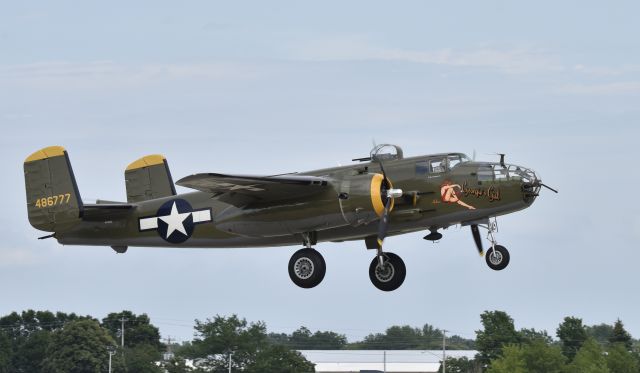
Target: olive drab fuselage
x=386, y=194
x=438, y=191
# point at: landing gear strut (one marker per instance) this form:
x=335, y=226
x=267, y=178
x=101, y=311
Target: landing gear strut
x=307, y=268
x=497, y=256
x=387, y=270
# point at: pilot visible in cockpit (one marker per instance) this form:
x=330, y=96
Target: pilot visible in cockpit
x=441, y=167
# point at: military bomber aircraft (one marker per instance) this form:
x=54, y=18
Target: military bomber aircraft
x=383, y=194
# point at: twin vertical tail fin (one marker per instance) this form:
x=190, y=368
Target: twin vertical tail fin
x=148, y=178
x=53, y=200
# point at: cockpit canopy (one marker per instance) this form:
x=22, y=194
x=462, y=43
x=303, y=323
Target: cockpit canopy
x=439, y=163
x=497, y=171
x=386, y=152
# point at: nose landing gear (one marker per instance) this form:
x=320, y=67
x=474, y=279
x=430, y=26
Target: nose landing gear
x=497, y=256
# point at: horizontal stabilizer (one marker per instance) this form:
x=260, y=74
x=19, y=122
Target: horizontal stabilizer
x=107, y=211
x=257, y=188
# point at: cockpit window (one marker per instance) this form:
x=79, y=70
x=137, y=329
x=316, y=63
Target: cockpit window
x=454, y=160
x=431, y=167
x=438, y=165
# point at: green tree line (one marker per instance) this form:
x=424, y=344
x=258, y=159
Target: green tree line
x=577, y=349
x=43, y=341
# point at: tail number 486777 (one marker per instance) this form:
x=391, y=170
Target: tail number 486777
x=59, y=199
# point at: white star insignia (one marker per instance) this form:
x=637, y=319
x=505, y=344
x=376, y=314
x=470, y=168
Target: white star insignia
x=175, y=220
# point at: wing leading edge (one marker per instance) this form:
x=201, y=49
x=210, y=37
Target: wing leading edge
x=255, y=188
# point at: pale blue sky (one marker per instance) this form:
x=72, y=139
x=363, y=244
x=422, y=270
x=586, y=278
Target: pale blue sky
x=252, y=87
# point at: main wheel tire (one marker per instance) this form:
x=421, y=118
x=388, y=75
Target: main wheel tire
x=391, y=276
x=307, y=268
x=498, y=259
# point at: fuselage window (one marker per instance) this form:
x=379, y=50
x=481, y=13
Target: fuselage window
x=501, y=173
x=422, y=168
x=485, y=173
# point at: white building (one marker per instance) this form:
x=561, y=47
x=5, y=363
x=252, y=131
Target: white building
x=390, y=361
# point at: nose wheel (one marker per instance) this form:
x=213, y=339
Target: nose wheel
x=497, y=258
x=307, y=268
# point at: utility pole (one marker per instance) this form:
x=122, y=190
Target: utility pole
x=112, y=352
x=384, y=361
x=230, y=353
x=122, y=320
x=444, y=351
x=169, y=354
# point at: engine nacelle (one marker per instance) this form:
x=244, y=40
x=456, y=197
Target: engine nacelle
x=353, y=200
x=362, y=198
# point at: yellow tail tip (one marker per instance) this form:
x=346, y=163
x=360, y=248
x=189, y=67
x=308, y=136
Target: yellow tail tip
x=44, y=153
x=146, y=161
x=482, y=253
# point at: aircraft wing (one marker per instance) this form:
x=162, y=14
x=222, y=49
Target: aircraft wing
x=239, y=190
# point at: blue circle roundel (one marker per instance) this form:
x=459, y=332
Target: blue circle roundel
x=175, y=220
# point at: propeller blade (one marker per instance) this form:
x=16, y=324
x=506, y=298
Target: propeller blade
x=384, y=173
x=476, y=237
x=384, y=222
x=391, y=193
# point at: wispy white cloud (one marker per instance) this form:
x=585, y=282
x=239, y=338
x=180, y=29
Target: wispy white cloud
x=512, y=61
x=56, y=69
x=614, y=88
x=606, y=70
x=111, y=71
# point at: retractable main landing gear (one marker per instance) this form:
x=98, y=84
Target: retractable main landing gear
x=387, y=270
x=307, y=266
